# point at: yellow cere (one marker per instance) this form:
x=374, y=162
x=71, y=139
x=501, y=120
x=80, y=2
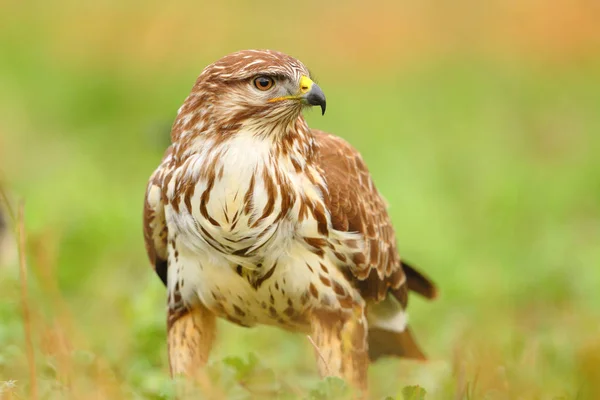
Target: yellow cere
x=305, y=84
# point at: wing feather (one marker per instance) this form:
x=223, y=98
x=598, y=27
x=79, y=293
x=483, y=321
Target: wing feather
x=356, y=206
x=155, y=227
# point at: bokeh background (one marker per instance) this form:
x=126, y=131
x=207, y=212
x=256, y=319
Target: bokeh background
x=480, y=122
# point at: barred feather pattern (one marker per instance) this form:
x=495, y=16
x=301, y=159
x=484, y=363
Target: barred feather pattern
x=262, y=219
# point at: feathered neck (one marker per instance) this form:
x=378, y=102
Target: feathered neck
x=195, y=133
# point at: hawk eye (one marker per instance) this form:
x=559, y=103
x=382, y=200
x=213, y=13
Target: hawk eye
x=264, y=82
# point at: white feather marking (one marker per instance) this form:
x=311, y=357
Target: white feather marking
x=393, y=323
x=387, y=314
x=257, y=61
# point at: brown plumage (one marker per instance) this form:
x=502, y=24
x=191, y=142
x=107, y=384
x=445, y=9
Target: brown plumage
x=256, y=218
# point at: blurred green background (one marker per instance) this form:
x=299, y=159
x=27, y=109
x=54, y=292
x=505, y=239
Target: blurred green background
x=480, y=123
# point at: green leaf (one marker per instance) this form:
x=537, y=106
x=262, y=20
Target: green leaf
x=331, y=388
x=413, y=393
x=252, y=375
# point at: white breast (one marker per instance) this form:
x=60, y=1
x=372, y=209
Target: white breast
x=234, y=200
x=243, y=160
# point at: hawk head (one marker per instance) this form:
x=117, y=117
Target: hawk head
x=252, y=88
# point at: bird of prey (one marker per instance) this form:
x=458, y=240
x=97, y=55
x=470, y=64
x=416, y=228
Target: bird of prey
x=254, y=217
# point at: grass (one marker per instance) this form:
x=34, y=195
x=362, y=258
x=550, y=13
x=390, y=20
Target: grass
x=489, y=164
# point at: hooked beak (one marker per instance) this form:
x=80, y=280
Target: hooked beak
x=312, y=94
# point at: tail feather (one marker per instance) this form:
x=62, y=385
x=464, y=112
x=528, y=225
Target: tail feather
x=418, y=282
x=389, y=338
x=388, y=343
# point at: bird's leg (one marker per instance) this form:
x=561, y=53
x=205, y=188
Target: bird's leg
x=190, y=336
x=340, y=341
